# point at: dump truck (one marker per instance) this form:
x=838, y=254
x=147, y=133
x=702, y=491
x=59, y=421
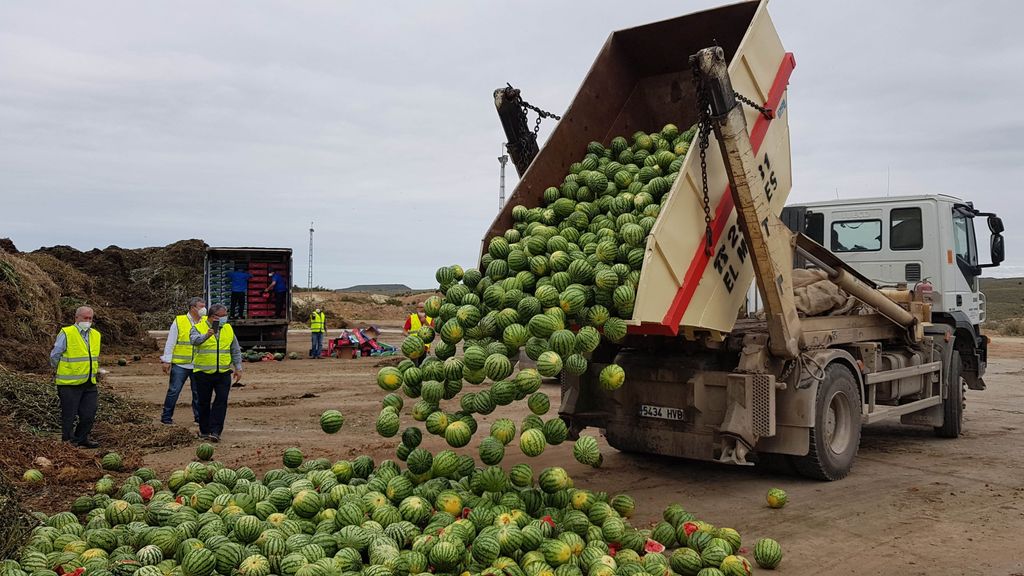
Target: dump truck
x=787, y=388
x=258, y=323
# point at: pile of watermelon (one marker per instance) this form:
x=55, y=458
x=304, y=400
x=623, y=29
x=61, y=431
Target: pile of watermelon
x=352, y=517
x=556, y=283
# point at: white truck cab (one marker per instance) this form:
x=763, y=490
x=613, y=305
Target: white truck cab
x=914, y=241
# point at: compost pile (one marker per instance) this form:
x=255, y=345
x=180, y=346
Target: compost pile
x=30, y=431
x=130, y=291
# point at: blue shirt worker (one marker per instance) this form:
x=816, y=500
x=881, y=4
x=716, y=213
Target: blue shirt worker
x=216, y=352
x=76, y=357
x=177, y=360
x=239, y=287
x=279, y=286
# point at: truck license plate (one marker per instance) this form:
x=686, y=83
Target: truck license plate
x=663, y=412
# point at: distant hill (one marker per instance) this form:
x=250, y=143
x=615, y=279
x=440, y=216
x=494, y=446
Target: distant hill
x=378, y=289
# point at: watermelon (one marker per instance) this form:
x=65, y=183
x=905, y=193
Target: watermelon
x=331, y=421
x=575, y=364
x=539, y=403
x=532, y=442
x=612, y=377
x=491, y=451
x=586, y=451
x=767, y=554
x=32, y=476
x=198, y=562
x=555, y=431
x=497, y=367
x=776, y=498
x=388, y=422
x=457, y=434
x=615, y=329
x=204, y=451
x=111, y=461
x=292, y=458
x=389, y=378
x=413, y=346
x=686, y=561
x=549, y=364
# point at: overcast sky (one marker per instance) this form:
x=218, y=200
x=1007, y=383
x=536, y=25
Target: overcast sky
x=140, y=123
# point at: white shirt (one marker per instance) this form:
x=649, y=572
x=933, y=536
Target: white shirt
x=172, y=339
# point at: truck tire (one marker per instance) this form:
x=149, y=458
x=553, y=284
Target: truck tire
x=953, y=405
x=835, y=437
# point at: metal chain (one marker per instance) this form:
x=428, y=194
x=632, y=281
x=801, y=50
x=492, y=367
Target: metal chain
x=703, y=130
x=541, y=114
x=766, y=112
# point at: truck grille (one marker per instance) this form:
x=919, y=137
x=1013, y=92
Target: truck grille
x=763, y=393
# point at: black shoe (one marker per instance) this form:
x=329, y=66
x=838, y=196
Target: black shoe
x=213, y=438
x=88, y=444
x=167, y=422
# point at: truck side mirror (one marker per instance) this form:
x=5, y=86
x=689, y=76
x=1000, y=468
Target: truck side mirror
x=997, y=245
x=995, y=225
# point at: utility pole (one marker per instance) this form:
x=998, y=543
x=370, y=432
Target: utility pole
x=309, y=279
x=503, y=160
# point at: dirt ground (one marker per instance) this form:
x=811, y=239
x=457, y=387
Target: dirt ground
x=914, y=504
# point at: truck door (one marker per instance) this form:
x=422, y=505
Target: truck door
x=965, y=295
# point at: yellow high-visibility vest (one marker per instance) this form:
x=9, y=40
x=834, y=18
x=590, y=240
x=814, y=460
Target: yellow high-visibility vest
x=415, y=324
x=182, y=353
x=214, y=355
x=316, y=322
x=80, y=363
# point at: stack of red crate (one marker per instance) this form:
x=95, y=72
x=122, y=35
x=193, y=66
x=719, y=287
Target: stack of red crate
x=260, y=305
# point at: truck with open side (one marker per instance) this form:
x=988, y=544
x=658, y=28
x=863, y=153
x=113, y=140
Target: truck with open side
x=788, y=389
x=260, y=327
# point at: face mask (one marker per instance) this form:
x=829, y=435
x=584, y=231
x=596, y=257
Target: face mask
x=83, y=326
x=317, y=310
x=202, y=311
x=223, y=320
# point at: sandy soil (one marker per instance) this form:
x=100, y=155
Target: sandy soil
x=914, y=504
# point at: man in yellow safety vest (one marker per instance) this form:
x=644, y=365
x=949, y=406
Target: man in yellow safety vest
x=217, y=351
x=76, y=357
x=177, y=359
x=416, y=321
x=317, y=327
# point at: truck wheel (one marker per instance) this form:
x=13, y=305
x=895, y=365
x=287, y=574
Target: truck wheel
x=953, y=405
x=836, y=434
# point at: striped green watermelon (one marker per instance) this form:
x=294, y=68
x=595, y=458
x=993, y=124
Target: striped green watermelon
x=498, y=367
x=615, y=329
x=457, y=434
x=451, y=332
x=686, y=561
x=553, y=479
x=515, y=336
x=586, y=451
x=474, y=357
x=111, y=461
x=504, y=430
x=575, y=364
x=254, y=565
x=532, y=442
x=331, y=421
x=491, y=451
x=539, y=403
x=555, y=431
x=388, y=422
x=549, y=364
x=777, y=498
x=413, y=347
x=587, y=340
x=563, y=342
x=389, y=378
x=437, y=422
x=198, y=562
x=767, y=553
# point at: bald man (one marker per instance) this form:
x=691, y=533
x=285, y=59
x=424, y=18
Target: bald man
x=76, y=358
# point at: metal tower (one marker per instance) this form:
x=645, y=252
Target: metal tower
x=309, y=278
x=503, y=159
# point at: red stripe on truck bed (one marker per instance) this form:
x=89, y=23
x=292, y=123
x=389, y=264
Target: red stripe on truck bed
x=700, y=260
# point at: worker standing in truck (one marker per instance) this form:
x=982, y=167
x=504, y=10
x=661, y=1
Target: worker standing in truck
x=317, y=327
x=417, y=320
x=239, y=286
x=279, y=286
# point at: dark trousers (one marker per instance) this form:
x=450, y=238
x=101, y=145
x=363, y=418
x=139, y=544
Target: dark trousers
x=280, y=300
x=318, y=344
x=77, y=402
x=213, y=392
x=177, y=382
x=237, y=304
